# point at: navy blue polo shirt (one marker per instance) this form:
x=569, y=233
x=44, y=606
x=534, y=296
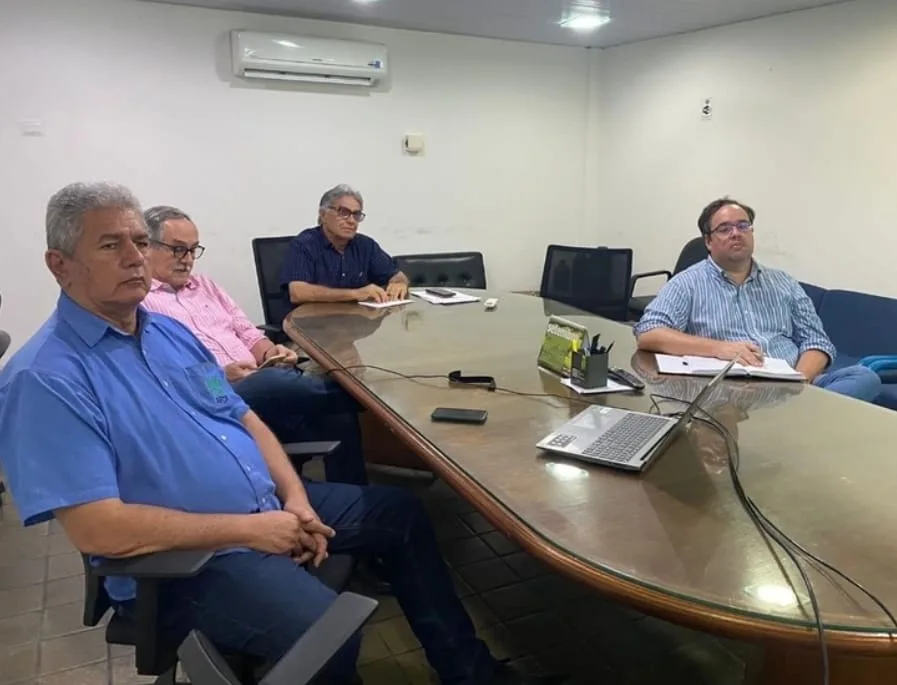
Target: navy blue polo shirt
x=311, y=258
x=88, y=412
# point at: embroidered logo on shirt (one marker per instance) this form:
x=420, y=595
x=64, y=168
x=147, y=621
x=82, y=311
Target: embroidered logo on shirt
x=216, y=385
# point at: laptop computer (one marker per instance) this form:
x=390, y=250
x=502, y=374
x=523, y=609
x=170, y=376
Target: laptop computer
x=619, y=437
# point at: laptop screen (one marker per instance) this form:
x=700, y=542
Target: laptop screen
x=692, y=409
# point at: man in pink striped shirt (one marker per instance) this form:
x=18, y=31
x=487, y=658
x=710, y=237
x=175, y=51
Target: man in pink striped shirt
x=295, y=406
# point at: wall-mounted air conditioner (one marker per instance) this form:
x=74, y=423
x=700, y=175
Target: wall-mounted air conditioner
x=301, y=58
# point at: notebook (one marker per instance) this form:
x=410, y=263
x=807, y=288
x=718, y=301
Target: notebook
x=457, y=298
x=772, y=369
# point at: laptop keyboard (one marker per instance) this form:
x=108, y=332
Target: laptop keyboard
x=626, y=437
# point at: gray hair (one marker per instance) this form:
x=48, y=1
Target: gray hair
x=155, y=218
x=66, y=210
x=335, y=193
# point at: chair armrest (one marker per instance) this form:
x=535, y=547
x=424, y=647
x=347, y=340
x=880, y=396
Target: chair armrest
x=647, y=274
x=311, y=449
x=270, y=328
x=174, y=564
x=317, y=646
x=204, y=665
x=888, y=376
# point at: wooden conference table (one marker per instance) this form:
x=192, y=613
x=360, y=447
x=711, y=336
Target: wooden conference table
x=673, y=542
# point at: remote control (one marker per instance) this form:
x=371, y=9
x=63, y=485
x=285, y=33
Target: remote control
x=491, y=303
x=626, y=378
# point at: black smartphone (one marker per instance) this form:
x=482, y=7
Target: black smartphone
x=451, y=415
x=440, y=292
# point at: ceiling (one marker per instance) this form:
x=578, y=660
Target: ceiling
x=527, y=20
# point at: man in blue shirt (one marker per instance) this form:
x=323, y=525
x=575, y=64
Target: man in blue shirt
x=332, y=262
x=729, y=307
x=121, y=425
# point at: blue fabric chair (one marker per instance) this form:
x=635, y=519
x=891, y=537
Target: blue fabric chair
x=860, y=325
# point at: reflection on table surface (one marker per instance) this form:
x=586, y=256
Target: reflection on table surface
x=819, y=465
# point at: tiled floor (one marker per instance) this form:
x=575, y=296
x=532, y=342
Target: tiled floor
x=523, y=611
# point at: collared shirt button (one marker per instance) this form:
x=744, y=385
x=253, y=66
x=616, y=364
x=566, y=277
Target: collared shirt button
x=224, y=438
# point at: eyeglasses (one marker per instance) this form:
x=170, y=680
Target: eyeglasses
x=730, y=227
x=181, y=251
x=345, y=213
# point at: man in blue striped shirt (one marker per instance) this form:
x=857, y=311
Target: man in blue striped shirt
x=729, y=307
x=332, y=262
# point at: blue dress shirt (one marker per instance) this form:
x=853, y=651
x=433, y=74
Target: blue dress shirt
x=311, y=258
x=88, y=412
x=769, y=309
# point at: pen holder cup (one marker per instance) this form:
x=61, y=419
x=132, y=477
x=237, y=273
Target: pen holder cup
x=588, y=370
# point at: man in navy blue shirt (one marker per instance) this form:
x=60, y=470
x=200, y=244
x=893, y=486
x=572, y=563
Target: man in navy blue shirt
x=332, y=262
x=121, y=425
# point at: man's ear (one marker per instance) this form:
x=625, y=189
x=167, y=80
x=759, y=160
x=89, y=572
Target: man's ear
x=58, y=266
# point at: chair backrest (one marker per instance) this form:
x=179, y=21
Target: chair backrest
x=269, y=255
x=452, y=269
x=695, y=250
x=594, y=279
x=4, y=343
x=815, y=293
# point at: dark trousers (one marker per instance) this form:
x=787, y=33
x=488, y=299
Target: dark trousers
x=299, y=407
x=261, y=604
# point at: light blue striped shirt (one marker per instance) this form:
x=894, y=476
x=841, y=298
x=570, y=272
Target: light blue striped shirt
x=769, y=309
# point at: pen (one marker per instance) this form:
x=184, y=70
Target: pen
x=609, y=347
x=594, y=349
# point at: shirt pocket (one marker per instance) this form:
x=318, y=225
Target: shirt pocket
x=205, y=387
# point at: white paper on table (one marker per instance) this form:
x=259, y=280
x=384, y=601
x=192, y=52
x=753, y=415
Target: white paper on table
x=459, y=298
x=382, y=305
x=612, y=386
x=773, y=368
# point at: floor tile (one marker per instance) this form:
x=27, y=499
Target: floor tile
x=512, y=601
x=21, y=600
x=383, y=672
x=417, y=670
x=63, y=619
x=70, y=651
x=21, y=628
x=487, y=575
x=16, y=572
x=466, y=551
x=478, y=523
x=95, y=674
x=397, y=635
x=60, y=544
x=65, y=591
x=373, y=648
x=481, y=615
x=65, y=565
x=125, y=673
x=18, y=663
x=500, y=544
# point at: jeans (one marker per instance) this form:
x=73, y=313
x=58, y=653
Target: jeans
x=299, y=407
x=854, y=381
x=260, y=604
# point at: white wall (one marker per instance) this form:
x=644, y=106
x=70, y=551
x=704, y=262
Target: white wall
x=804, y=129
x=141, y=93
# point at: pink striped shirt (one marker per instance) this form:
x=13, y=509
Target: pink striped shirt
x=210, y=314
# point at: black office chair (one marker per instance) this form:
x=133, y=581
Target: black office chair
x=269, y=255
x=694, y=251
x=156, y=652
x=204, y=665
x=446, y=269
x=594, y=279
